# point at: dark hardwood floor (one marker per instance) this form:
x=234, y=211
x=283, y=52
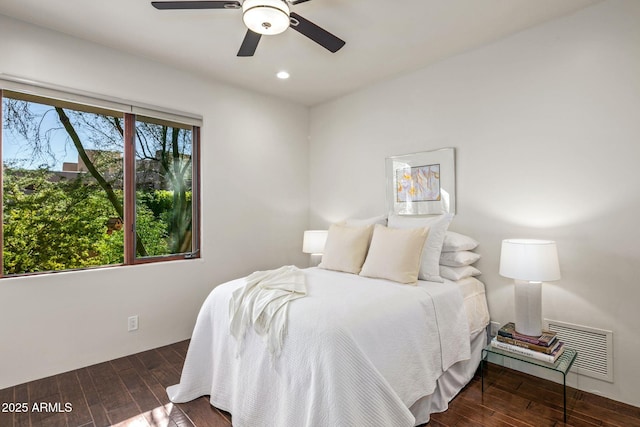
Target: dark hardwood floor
x=131, y=392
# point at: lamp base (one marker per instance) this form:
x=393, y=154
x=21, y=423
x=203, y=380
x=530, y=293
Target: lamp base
x=315, y=260
x=528, y=307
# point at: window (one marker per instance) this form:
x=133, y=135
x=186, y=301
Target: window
x=164, y=180
x=76, y=195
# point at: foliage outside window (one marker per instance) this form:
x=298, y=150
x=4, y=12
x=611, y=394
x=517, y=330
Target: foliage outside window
x=68, y=199
x=164, y=186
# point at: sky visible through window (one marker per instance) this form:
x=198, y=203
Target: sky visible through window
x=17, y=150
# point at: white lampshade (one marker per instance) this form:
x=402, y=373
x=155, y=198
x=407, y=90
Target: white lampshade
x=529, y=260
x=313, y=241
x=266, y=16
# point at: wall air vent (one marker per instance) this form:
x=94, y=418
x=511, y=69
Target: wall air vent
x=594, y=347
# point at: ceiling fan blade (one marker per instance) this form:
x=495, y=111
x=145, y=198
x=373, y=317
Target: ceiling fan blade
x=297, y=1
x=168, y=5
x=249, y=44
x=315, y=33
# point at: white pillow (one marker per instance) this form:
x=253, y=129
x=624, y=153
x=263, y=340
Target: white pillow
x=454, y=242
x=458, y=259
x=458, y=273
x=346, y=248
x=394, y=254
x=382, y=219
x=430, y=264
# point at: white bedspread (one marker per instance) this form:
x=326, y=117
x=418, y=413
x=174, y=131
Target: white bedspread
x=358, y=352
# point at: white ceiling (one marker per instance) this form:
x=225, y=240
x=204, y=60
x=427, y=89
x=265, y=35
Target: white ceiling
x=384, y=38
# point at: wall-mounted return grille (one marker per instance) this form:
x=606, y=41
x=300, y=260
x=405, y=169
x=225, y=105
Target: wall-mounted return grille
x=594, y=347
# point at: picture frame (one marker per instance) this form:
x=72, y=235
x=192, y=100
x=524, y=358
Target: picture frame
x=422, y=183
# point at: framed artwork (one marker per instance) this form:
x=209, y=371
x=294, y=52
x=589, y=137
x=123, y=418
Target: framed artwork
x=422, y=183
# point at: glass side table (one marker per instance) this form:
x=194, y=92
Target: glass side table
x=562, y=365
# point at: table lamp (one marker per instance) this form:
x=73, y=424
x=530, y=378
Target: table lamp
x=313, y=242
x=529, y=262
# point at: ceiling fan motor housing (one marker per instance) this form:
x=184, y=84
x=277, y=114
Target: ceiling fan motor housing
x=266, y=17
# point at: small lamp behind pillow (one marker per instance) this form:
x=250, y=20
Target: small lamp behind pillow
x=313, y=242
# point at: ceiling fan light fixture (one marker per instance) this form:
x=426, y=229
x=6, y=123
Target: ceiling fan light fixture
x=266, y=16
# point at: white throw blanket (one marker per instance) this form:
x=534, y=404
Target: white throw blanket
x=263, y=301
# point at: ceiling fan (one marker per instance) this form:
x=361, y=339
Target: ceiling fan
x=263, y=17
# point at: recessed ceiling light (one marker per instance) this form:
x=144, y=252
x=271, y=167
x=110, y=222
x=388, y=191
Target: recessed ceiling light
x=282, y=75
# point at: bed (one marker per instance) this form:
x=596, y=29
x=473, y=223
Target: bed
x=357, y=351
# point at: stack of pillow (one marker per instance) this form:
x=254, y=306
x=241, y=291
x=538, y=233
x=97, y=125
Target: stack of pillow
x=404, y=250
x=456, y=258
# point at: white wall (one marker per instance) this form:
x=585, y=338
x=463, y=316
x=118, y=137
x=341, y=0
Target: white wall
x=546, y=124
x=253, y=212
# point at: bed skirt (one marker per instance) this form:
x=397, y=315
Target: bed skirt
x=451, y=382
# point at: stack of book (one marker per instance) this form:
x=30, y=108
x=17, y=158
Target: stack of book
x=546, y=348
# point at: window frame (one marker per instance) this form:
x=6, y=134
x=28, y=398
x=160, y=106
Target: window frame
x=130, y=197
x=130, y=112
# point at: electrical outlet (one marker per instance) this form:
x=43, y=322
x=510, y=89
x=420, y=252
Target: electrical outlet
x=132, y=323
x=495, y=326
